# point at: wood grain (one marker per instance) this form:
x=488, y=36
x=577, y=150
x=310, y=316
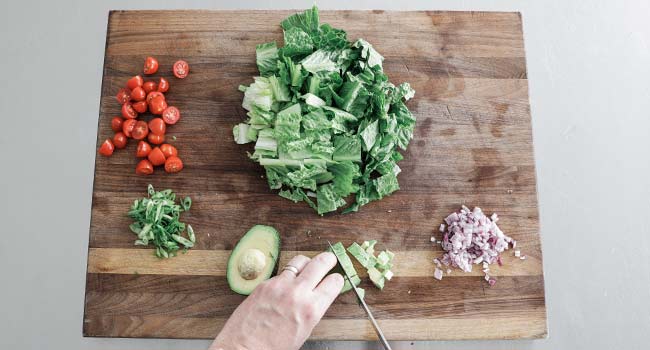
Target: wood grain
x=472, y=145
x=514, y=327
x=208, y=296
x=412, y=263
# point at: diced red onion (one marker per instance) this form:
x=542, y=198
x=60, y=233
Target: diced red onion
x=437, y=274
x=471, y=238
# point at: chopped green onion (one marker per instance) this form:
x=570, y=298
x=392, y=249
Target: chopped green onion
x=190, y=233
x=186, y=203
x=156, y=220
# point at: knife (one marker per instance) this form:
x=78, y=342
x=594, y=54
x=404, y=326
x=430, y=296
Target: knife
x=380, y=334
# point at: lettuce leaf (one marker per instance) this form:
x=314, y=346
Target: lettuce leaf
x=369, y=135
x=297, y=42
x=319, y=61
x=369, y=55
x=279, y=89
x=327, y=199
x=306, y=176
x=306, y=21
x=347, y=148
x=267, y=57
x=345, y=173
x=386, y=184
x=330, y=39
x=287, y=123
x=244, y=133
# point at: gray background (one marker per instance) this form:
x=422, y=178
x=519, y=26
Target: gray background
x=589, y=73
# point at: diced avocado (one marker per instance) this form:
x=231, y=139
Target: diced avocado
x=383, y=258
x=344, y=259
x=253, y=259
x=339, y=250
x=387, y=266
x=373, y=261
x=376, y=277
x=346, y=285
x=379, y=268
x=366, y=260
x=370, y=249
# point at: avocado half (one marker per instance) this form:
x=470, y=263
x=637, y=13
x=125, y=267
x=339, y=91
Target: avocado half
x=253, y=260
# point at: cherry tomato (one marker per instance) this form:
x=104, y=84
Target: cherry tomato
x=140, y=106
x=157, y=126
x=123, y=96
x=140, y=130
x=128, y=126
x=163, y=85
x=144, y=167
x=128, y=112
x=156, y=157
x=116, y=124
x=150, y=65
x=135, y=82
x=119, y=140
x=143, y=149
x=138, y=94
x=149, y=86
x=173, y=164
x=157, y=105
x=171, y=115
x=152, y=95
x=156, y=139
x=168, y=150
x=181, y=69
x=107, y=148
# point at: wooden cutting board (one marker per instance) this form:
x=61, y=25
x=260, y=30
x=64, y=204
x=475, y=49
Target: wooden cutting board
x=472, y=145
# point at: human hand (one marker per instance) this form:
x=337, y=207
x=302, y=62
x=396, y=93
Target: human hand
x=282, y=311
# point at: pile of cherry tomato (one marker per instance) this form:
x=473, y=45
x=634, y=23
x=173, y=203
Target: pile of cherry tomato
x=138, y=97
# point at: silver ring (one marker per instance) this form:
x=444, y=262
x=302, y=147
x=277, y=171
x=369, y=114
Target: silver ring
x=292, y=269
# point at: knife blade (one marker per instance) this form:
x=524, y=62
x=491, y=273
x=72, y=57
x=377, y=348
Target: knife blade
x=380, y=334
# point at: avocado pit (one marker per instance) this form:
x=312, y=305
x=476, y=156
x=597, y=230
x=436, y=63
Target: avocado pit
x=251, y=264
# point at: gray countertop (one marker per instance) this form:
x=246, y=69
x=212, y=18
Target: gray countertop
x=589, y=76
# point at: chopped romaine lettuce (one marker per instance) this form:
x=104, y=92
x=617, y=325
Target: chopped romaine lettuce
x=325, y=120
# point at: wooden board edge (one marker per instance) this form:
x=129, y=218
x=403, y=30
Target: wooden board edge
x=297, y=10
x=538, y=225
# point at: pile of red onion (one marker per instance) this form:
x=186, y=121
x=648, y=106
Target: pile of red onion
x=471, y=237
